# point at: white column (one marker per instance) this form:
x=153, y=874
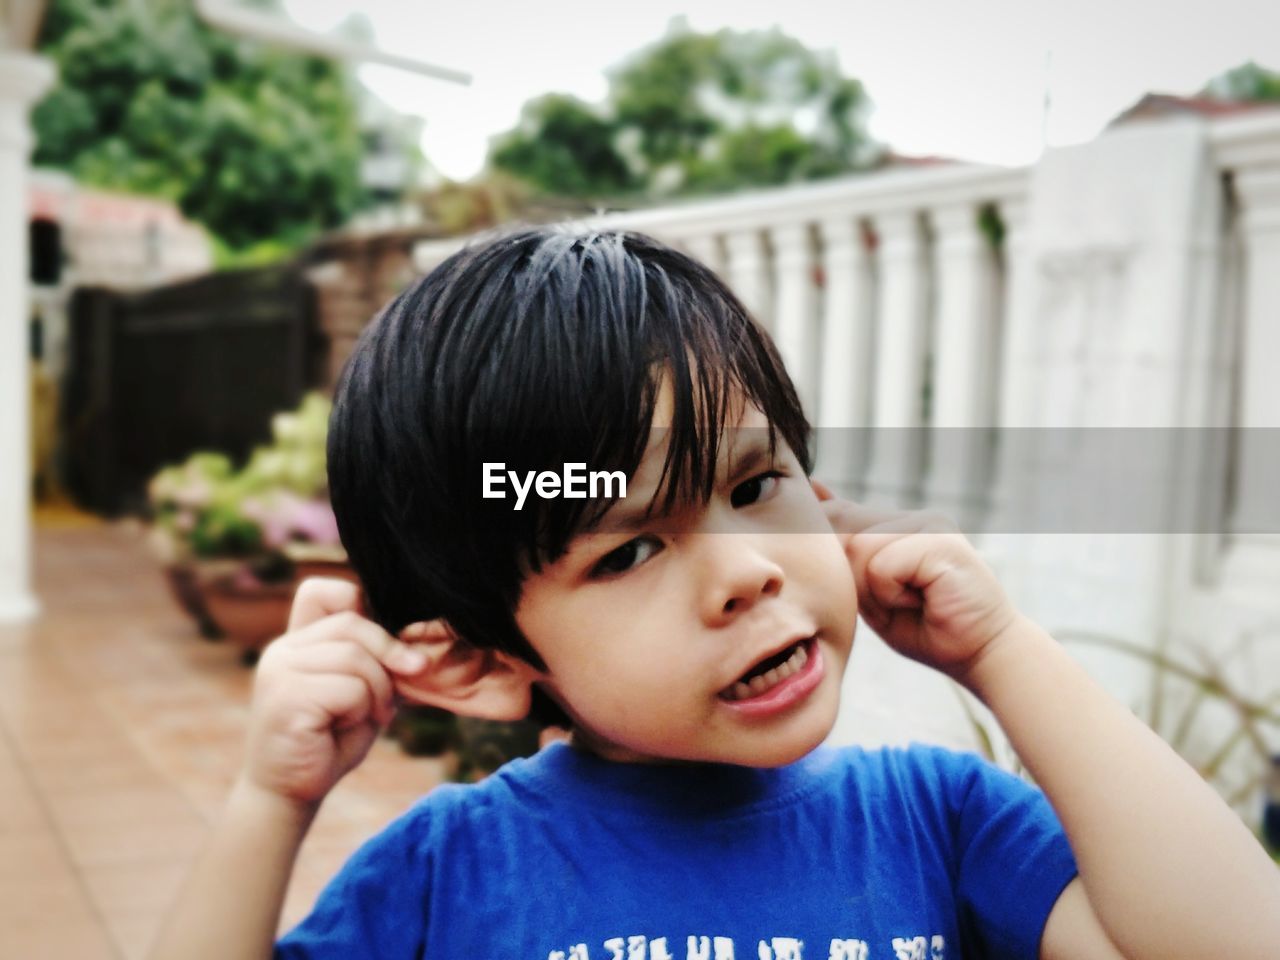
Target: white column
x=23, y=78
x=964, y=365
x=1014, y=404
x=897, y=444
x=748, y=272
x=793, y=311
x=1255, y=556
x=844, y=404
x=706, y=249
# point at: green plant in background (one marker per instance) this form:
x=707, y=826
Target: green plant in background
x=274, y=507
x=695, y=114
x=260, y=145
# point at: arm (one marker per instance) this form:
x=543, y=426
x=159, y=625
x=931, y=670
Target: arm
x=1166, y=868
x=321, y=694
x=230, y=905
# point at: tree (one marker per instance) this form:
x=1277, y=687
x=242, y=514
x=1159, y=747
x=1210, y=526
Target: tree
x=1248, y=82
x=696, y=113
x=253, y=142
x=565, y=147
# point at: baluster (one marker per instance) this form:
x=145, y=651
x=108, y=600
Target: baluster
x=1014, y=404
x=965, y=359
x=748, y=273
x=844, y=406
x=794, y=318
x=897, y=453
x=705, y=248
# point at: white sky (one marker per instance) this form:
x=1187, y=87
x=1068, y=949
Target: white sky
x=963, y=78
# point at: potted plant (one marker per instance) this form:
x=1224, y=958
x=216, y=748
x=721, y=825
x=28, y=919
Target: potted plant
x=236, y=543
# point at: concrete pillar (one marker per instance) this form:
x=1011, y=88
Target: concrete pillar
x=1254, y=558
x=23, y=78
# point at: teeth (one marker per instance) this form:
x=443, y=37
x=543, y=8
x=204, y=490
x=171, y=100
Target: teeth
x=754, y=687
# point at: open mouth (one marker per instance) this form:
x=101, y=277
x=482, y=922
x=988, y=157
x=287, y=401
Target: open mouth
x=771, y=672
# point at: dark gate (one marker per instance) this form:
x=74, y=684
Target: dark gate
x=202, y=364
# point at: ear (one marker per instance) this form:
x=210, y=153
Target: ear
x=463, y=679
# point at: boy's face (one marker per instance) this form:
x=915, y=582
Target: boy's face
x=649, y=630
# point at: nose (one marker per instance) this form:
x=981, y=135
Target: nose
x=738, y=574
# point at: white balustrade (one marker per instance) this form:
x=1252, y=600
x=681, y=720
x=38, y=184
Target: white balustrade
x=748, y=272
x=706, y=249
x=965, y=363
x=897, y=450
x=794, y=320
x=844, y=405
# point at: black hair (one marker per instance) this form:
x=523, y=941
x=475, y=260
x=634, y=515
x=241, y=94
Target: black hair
x=533, y=349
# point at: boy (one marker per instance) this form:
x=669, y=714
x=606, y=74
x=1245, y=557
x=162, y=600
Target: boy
x=693, y=631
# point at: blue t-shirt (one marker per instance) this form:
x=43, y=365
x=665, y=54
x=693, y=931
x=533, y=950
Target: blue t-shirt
x=900, y=854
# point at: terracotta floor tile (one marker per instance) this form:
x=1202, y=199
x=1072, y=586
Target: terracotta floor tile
x=98, y=844
x=121, y=733
x=44, y=909
x=20, y=809
x=121, y=806
x=119, y=888
x=65, y=775
x=61, y=934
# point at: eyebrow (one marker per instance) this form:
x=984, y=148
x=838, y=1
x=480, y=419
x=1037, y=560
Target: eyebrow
x=636, y=515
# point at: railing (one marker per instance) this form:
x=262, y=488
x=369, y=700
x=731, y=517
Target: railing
x=886, y=296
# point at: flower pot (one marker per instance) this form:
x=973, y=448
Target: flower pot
x=250, y=612
x=184, y=586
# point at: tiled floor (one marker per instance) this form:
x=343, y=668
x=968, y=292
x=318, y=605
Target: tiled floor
x=120, y=733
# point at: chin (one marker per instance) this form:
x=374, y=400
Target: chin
x=799, y=743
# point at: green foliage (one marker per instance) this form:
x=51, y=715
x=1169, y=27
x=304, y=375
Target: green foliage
x=696, y=113
x=565, y=147
x=1248, y=82
x=253, y=142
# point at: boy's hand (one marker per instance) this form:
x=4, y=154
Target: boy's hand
x=322, y=693
x=921, y=585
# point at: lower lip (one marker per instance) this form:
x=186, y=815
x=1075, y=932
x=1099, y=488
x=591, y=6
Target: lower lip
x=789, y=692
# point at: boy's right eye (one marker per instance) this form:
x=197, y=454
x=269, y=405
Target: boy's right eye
x=628, y=556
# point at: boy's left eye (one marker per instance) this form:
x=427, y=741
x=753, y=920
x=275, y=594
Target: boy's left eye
x=758, y=488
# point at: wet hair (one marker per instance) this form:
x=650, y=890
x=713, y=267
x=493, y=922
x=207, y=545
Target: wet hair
x=533, y=349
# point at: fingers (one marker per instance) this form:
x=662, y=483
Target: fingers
x=393, y=654
x=345, y=699
x=351, y=660
x=342, y=645
x=320, y=597
x=822, y=490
